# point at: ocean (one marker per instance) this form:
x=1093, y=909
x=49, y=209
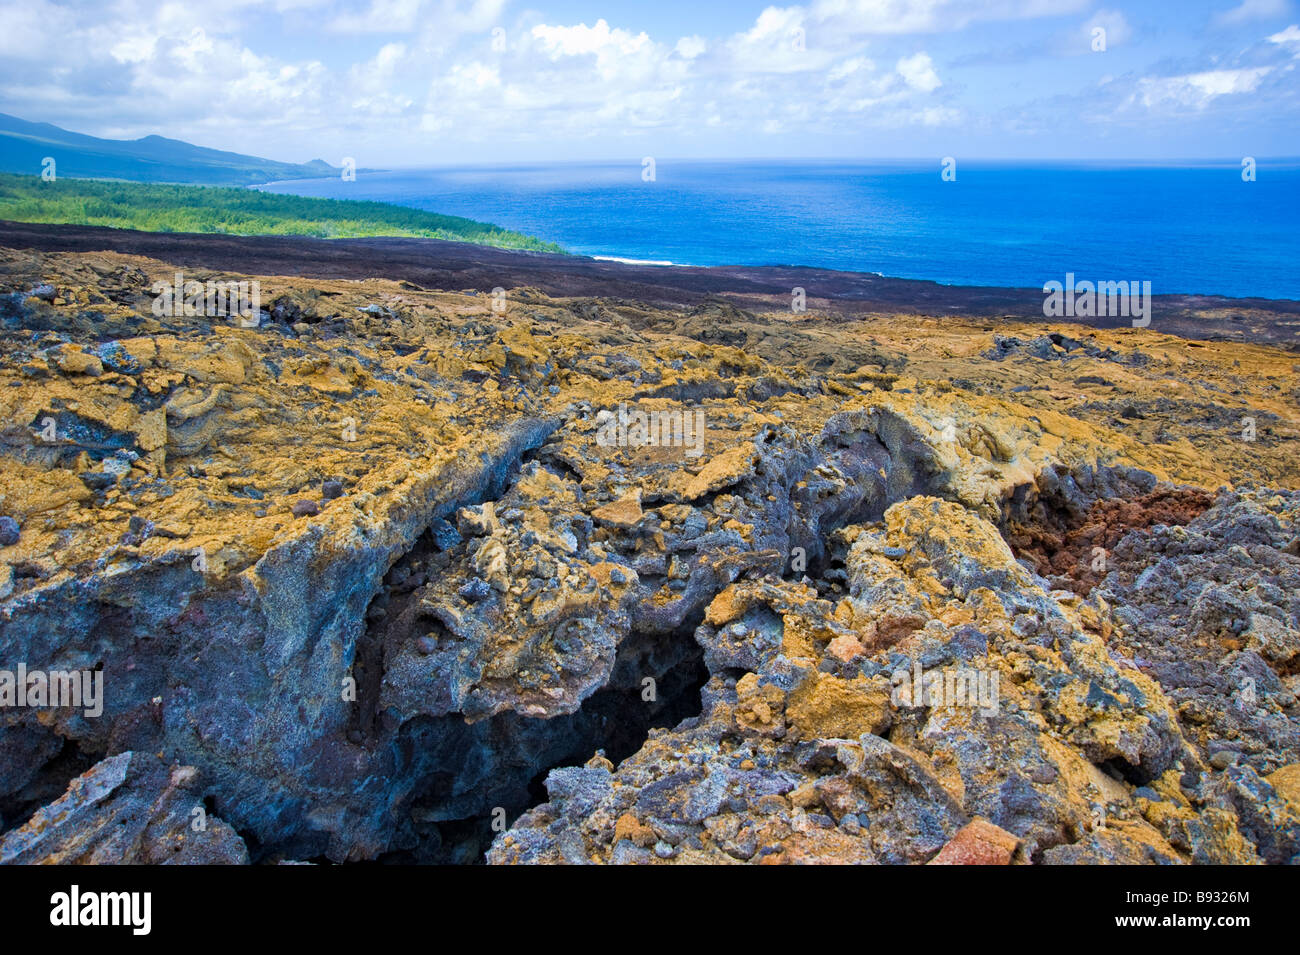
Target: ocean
x=1195, y=227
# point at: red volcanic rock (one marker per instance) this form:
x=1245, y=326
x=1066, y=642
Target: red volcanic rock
x=978, y=843
x=1069, y=552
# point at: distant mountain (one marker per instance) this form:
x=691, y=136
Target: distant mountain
x=24, y=146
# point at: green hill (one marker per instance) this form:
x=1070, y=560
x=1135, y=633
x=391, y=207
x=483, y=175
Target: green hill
x=156, y=207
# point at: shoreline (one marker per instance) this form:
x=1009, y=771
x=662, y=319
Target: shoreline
x=459, y=266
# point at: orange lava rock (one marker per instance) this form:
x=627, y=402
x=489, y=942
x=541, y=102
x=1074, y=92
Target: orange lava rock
x=625, y=512
x=631, y=828
x=827, y=707
x=979, y=842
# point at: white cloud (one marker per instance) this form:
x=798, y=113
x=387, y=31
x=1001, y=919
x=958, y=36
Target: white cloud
x=846, y=68
x=689, y=47
x=778, y=42
x=918, y=73
x=1253, y=10
x=1288, y=37
x=134, y=49
x=581, y=40
x=589, y=79
x=562, y=81
x=372, y=84
x=1196, y=90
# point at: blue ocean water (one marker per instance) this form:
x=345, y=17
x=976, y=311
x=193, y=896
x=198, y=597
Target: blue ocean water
x=1189, y=228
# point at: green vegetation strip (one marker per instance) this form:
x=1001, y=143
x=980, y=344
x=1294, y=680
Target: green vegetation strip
x=152, y=207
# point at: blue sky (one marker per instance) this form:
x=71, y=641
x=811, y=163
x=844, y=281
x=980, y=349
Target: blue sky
x=396, y=83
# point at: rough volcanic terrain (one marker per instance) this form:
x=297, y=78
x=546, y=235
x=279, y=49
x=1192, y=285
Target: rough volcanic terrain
x=453, y=266
x=397, y=573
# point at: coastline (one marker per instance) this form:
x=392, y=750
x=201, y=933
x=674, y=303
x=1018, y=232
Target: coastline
x=437, y=264
x=1004, y=224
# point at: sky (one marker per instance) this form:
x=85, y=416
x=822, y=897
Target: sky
x=409, y=83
